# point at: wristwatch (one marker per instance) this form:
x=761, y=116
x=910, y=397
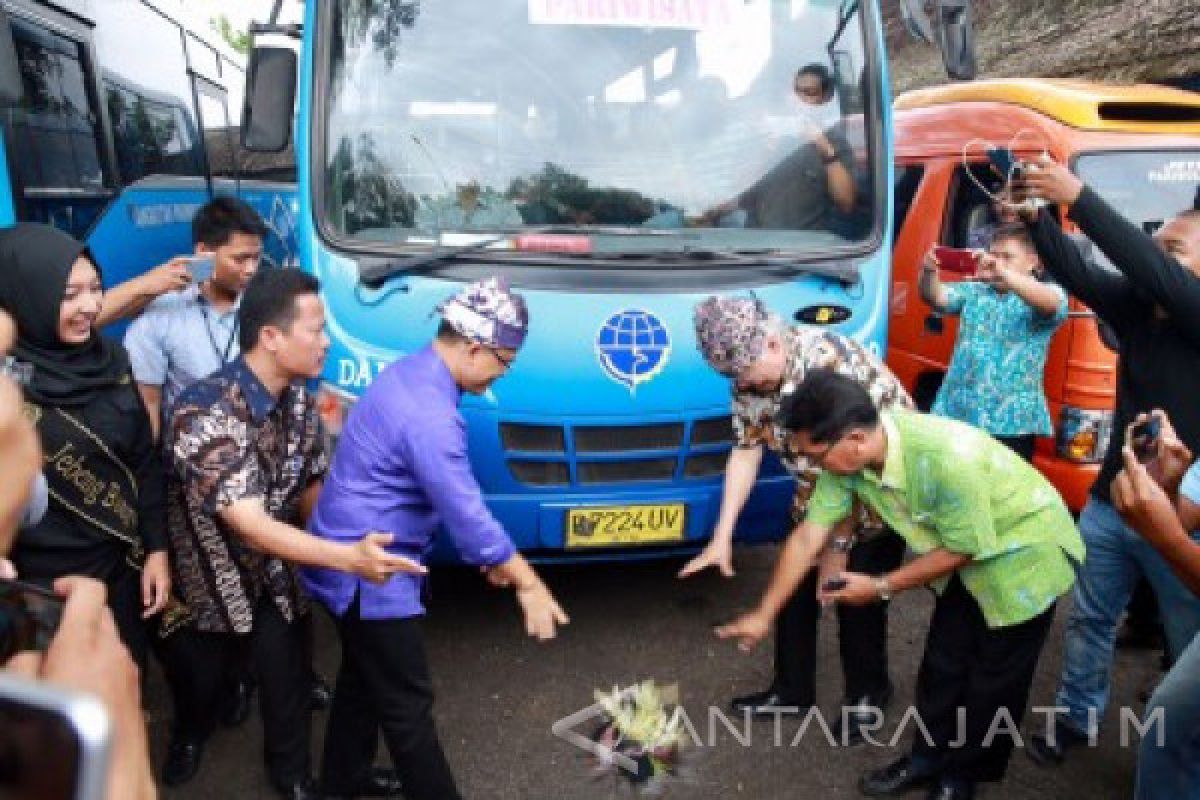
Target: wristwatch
x=884, y=588
x=831, y=158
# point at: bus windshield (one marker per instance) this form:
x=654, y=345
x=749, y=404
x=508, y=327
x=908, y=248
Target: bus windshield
x=635, y=126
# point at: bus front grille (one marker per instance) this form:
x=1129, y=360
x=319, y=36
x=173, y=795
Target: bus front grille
x=547, y=456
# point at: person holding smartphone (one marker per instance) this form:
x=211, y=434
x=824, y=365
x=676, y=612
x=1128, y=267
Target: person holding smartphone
x=187, y=335
x=1008, y=316
x=1157, y=493
x=1151, y=298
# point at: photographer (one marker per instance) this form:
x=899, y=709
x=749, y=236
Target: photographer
x=1008, y=317
x=1162, y=503
x=1153, y=305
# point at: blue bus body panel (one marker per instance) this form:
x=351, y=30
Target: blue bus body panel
x=560, y=378
x=151, y=221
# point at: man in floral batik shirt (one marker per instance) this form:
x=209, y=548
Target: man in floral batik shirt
x=766, y=360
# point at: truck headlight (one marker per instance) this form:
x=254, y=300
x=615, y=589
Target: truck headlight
x=1083, y=434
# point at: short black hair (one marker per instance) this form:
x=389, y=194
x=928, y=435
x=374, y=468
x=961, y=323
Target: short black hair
x=220, y=218
x=821, y=73
x=827, y=405
x=270, y=299
x=449, y=334
x=1015, y=232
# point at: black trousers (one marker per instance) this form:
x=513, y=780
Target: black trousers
x=980, y=670
x=200, y=667
x=383, y=684
x=862, y=631
x=125, y=602
x=1022, y=445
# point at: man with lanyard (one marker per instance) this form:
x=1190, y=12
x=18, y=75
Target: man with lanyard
x=766, y=361
x=180, y=338
x=401, y=466
x=187, y=335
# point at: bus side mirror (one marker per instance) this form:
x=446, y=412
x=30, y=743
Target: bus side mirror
x=12, y=88
x=956, y=38
x=270, y=99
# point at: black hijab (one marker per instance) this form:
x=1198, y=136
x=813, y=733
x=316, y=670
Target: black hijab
x=35, y=262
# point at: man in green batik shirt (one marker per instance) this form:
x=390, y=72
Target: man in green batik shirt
x=992, y=538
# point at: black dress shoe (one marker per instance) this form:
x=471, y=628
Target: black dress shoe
x=301, y=790
x=768, y=703
x=864, y=712
x=1052, y=751
x=951, y=790
x=237, y=707
x=895, y=779
x=320, y=695
x=382, y=782
x=182, y=762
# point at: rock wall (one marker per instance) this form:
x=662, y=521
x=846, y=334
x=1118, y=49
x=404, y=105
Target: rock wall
x=1152, y=40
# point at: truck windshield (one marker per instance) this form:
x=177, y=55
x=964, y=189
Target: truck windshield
x=1147, y=187
x=631, y=126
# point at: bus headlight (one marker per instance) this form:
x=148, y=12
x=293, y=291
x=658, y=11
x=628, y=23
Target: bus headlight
x=1083, y=434
x=333, y=406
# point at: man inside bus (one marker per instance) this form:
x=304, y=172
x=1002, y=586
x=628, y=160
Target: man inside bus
x=805, y=189
x=765, y=360
x=1152, y=302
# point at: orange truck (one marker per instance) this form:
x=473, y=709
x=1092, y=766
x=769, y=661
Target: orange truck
x=1138, y=146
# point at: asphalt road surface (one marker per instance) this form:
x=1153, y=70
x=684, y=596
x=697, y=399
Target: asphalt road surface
x=498, y=694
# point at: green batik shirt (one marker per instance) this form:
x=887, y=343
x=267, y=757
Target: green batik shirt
x=947, y=485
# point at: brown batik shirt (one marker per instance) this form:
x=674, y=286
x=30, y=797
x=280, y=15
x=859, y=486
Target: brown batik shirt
x=231, y=440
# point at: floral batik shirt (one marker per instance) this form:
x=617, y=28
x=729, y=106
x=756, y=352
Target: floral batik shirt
x=995, y=381
x=231, y=440
x=755, y=416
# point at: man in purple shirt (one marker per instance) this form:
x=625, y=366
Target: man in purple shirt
x=401, y=466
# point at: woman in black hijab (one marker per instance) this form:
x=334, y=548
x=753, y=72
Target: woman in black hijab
x=106, y=516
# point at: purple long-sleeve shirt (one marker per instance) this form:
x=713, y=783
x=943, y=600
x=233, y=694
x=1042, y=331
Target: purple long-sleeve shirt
x=401, y=467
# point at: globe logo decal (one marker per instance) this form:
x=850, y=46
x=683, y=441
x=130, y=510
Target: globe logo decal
x=633, y=346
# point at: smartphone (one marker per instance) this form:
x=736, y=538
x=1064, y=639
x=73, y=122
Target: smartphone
x=201, y=266
x=1144, y=439
x=1005, y=162
x=29, y=616
x=19, y=371
x=54, y=744
x=834, y=585
x=953, y=259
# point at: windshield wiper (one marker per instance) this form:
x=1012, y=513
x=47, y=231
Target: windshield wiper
x=375, y=273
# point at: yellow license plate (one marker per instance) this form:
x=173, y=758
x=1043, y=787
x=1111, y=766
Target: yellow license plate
x=609, y=526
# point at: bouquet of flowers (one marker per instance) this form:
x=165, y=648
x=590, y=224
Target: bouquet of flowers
x=640, y=738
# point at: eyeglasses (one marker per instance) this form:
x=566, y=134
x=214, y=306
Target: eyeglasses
x=818, y=458
x=504, y=362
